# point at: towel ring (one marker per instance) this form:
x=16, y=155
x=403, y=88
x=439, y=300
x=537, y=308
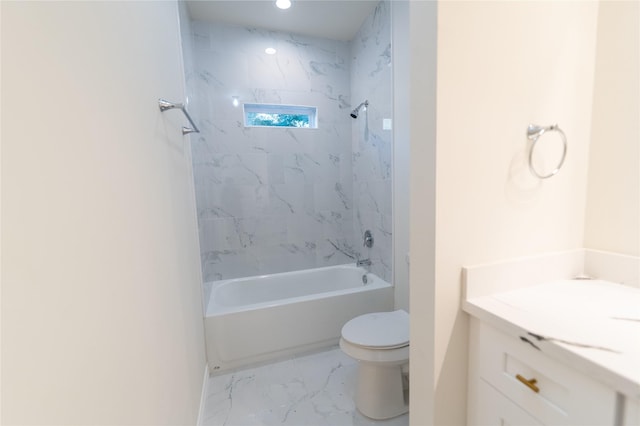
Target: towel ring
x=533, y=133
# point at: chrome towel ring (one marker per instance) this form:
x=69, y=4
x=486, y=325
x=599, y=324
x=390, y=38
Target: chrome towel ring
x=533, y=133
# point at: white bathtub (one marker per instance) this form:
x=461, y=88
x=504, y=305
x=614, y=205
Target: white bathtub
x=254, y=319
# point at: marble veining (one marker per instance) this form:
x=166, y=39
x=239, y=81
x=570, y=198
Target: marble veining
x=575, y=321
x=371, y=145
x=343, y=247
x=275, y=200
x=316, y=389
x=549, y=300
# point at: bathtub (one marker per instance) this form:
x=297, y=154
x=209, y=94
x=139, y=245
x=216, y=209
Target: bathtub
x=256, y=319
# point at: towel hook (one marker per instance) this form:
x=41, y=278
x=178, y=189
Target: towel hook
x=533, y=133
x=165, y=105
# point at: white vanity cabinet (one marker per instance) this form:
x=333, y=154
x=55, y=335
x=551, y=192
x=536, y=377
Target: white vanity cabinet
x=549, y=346
x=513, y=383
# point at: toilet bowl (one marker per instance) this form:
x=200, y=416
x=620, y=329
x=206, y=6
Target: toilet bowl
x=380, y=343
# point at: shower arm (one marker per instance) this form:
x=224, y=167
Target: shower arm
x=165, y=105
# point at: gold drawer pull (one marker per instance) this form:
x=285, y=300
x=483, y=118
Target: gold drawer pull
x=531, y=384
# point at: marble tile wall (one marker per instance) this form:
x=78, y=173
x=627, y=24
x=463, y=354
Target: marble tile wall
x=271, y=200
x=275, y=200
x=371, y=79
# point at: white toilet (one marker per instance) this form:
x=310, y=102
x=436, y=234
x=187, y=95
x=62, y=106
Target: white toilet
x=380, y=344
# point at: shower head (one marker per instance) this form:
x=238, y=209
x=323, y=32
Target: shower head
x=356, y=111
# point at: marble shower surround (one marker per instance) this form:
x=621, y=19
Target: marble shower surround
x=372, y=145
x=275, y=200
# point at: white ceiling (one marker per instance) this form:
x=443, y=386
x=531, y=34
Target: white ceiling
x=334, y=19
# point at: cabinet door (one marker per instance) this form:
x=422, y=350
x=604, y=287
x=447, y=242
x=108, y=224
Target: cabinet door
x=494, y=409
x=560, y=395
x=631, y=412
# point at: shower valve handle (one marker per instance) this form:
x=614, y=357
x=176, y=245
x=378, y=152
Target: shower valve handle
x=368, y=239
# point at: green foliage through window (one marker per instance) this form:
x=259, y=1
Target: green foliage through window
x=267, y=115
x=277, y=120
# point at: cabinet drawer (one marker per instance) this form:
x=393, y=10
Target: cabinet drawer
x=495, y=409
x=564, y=395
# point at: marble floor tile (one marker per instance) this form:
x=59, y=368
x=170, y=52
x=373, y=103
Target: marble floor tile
x=315, y=389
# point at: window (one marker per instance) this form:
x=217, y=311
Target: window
x=266, y=115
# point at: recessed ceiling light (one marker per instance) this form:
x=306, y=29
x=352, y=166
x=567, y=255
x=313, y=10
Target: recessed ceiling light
x=270, y=51
x=283, y=4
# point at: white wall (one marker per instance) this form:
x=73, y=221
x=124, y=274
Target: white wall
x=401, y=150
x=500, y=66
x=422, y=101
x=188, y=53
x=613, y=199
x=101, y=302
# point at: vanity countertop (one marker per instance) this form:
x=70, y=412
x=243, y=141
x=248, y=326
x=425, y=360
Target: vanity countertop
x=590, y=325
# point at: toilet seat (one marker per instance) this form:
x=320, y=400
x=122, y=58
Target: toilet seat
x=378, y=331
x=398, y=355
